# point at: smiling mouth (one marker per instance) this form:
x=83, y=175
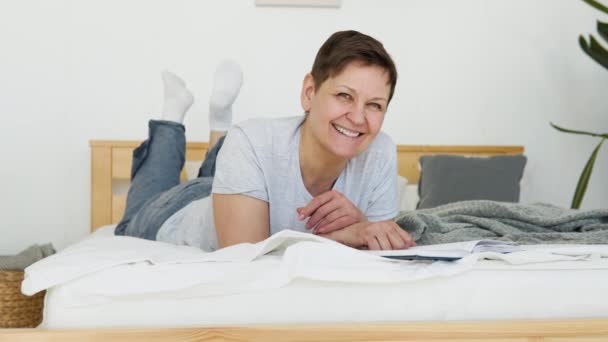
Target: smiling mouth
x=347, y=132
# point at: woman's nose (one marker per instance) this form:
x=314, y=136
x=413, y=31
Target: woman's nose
x=357, y=115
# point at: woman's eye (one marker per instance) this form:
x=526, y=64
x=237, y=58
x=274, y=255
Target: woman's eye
x=344, y=96
x=376, y=106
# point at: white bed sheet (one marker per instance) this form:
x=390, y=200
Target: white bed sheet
x=490, y=290
x=477, y=295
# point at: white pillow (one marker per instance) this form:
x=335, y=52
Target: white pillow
x=401, y=187
x=410, y=198
x=408, y=194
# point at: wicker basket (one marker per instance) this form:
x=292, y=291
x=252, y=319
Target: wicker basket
x=16, y=309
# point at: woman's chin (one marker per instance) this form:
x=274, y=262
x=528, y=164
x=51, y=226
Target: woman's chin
x=346, y=152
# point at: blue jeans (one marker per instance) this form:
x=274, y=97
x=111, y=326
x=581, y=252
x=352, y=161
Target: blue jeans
x=155, y=192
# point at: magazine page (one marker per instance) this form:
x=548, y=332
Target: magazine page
x=449, y=251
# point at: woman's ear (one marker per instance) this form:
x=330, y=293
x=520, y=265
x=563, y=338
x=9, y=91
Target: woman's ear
x=308, y=91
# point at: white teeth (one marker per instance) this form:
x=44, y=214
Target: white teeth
x=347, y=132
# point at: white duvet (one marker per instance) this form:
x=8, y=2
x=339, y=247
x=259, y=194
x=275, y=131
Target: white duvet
x=144, y=266
x=109, y=281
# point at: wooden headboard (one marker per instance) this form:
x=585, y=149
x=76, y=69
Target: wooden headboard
x=111, y=169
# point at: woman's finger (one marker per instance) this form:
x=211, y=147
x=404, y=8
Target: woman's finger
x=406, y=237
x=383, y=240
x=314, y=204
x=322, y=212
x=373, y=244
x=341, y=222
x=397, y=240
x=331, y=217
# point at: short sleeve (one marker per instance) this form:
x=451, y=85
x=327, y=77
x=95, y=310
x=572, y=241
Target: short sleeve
x=238, y=169
x=384, y=200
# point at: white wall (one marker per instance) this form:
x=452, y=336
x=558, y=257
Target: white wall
x=471, y=72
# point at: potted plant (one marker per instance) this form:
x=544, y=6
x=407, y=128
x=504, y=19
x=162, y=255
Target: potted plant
x=598, y=53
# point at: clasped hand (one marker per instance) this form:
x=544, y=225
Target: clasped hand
x=334, y=216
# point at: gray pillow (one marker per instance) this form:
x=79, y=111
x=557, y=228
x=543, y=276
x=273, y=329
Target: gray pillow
x=446, y=179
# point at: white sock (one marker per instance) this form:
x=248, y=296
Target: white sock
x=178, y=98
x=226, y=85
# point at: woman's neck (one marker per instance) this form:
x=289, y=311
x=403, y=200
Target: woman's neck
x=319, y=168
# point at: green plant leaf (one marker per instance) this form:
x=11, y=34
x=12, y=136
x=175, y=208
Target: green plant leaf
x=583, y=43
x=587, y=49
x=602, y=28
x=597, y=5
x=599, y=135
x=583, y=181
x=597, y=52
x=596, y=47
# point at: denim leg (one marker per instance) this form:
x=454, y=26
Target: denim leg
x=151, y=217
x=208, y=167
x=156, y=168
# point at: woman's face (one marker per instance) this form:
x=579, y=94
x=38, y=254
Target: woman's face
x=347, y=111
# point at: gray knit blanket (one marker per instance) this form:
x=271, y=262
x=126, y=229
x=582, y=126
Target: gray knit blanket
x=519, y=223
x=26, y=257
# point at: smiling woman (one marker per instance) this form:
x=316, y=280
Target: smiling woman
x=330, y=172
x=342, y=169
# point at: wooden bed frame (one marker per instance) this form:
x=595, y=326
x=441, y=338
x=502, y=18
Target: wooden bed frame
x=110, y=165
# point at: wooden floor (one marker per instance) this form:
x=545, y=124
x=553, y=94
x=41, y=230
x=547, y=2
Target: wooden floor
x=508, y=331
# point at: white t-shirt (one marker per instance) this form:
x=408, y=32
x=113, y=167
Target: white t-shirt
x=260, y=159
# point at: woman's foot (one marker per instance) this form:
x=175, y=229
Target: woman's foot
x=177, y=98
x=227, y=82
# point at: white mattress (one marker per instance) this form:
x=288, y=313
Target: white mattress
x=489, y=290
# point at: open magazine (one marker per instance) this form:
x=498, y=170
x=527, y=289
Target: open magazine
x=449, y=251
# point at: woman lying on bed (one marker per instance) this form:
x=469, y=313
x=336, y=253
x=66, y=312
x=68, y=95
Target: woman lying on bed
x=330, y=171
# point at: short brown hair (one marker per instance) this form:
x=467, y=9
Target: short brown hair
x=344, y=47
